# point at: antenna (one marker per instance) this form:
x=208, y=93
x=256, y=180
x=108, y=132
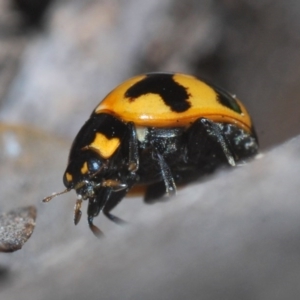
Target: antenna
x=49, y=198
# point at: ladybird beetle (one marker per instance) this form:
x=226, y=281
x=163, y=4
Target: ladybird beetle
x=159, y=130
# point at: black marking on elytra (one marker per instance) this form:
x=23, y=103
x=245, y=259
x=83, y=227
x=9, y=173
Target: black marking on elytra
x=227, y=100
x=173, y=94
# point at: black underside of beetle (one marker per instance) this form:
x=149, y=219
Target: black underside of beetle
x=190, y=154
x=163, y=159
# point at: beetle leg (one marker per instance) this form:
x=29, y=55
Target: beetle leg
x=112, y=198
x=133, y=161
x=115, y=185
x=93, y=211
x=213, y=129
x=106, y=200
x=96, y=231
x=113, y=218
x=166, y=175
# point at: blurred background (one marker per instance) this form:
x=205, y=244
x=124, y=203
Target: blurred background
x=59, y=58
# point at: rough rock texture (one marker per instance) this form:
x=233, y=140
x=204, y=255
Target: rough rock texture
x=16, y=227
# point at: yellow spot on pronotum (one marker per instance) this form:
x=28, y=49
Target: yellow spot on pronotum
x=104, y=146
x=84, y=168
x=69, y=177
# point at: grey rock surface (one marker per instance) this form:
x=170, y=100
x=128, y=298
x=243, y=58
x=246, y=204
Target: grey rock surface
x=233, y=236
x=16, y=227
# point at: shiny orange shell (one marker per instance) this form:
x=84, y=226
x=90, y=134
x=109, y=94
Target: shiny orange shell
x=170, y=100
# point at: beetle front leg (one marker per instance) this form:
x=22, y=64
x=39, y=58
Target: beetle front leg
x=113, y=199
x=96, y=231
x=94, y=208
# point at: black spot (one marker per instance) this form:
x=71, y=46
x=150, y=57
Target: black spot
x=173, y=94
x=224, y=98
x=227, y=100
